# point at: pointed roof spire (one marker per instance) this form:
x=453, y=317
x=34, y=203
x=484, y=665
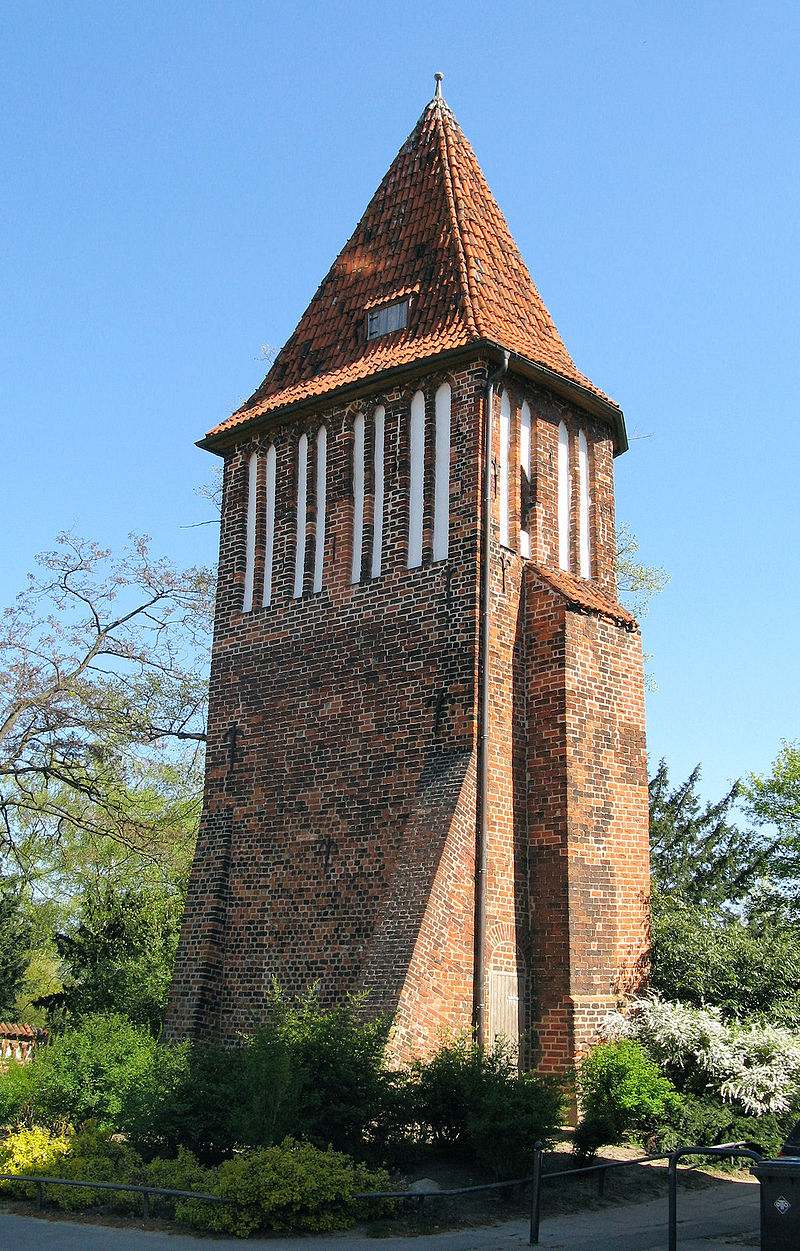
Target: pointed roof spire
x=432, y=235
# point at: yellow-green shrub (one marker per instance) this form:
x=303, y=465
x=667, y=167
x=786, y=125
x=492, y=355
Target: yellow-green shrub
x=34, y=1152
x=95, y=1156
x=90, y=1155
x=291, y=1187
x=185, y=1172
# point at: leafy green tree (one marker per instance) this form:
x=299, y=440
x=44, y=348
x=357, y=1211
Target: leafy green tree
x=725, y=928
x=102, y=678
x=103, y=683
x=773, y=803
x=119, y=955
x=746, y=966
x=15, y=932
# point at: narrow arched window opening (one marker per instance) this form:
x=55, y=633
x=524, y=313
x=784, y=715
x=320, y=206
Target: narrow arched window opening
x=584, y=546
x=505, y=450
x=417, y=480
x=525, y=480
x=319, y=540
x=250, y=534
x=379, y=422
x=269, y=538
x=302, y=506
x=563, y=497
x=358, y=495
x=441, y=492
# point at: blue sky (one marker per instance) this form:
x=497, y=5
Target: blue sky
x=177, y=179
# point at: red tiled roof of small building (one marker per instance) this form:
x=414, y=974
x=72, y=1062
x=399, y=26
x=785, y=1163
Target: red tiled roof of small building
x=432, y=232
x=583, y=595
x=19, y=1031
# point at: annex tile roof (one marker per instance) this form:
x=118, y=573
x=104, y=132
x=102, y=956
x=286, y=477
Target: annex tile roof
x=18, y=1030
x=432, y=233
x=583, y=595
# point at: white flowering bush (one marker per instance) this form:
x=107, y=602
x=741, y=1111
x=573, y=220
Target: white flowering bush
x=755, y=1066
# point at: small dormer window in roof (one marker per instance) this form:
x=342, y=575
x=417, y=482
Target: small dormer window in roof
x=384, y=320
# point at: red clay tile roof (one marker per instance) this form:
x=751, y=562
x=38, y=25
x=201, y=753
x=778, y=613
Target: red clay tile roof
x=20, y=1031
x=583, y=595
x=432, y=230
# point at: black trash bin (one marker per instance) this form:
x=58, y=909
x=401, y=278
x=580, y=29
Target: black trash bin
x=780, y=1204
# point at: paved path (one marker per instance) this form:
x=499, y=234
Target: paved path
x=724, y=1217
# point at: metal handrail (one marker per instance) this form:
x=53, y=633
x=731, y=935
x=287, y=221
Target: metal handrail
x=145, y=1191
x=537, y=1177
x=673, y=1179
x=729, y=1150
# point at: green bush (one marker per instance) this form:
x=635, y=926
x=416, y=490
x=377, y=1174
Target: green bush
x=85, y=1074
x=187, y=1097
x=328, y=1066
x=622, y=1094
x=290, y=1187
x=91, y=1155
x=184, y=1172
x=706, y=1121
x=15, y=1083
x=309, y=1073
x=293, y=1186
x=94, y=1155
x=471, y=1100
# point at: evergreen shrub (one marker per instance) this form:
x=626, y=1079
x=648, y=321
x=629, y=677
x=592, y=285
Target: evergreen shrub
x=471, y=1100
x=293, y=1186
x=704, y=1120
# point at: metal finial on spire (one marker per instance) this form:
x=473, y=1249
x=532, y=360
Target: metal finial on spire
x=437, y=95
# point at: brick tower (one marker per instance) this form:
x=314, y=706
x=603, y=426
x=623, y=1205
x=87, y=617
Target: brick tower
x=426, y=772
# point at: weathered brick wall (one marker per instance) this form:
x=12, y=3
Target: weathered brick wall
x=350, y=795
x=338, y=833
x=587, y=820
x=549, y=411
x=532, y=906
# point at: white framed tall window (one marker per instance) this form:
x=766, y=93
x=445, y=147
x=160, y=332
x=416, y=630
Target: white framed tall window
x=441, y=482
x=563, y=498
x=525, y=479
x=250, y=534
x=417, y=483
x=358, y=496
x=379, y=425
x=505, y=453
x=302, y=508
x=584, y=545
x=319, y=538
x=269, y=538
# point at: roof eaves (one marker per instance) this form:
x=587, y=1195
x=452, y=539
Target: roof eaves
x=582, y=396
x=346, y=391
x=585, y=399
x=585, y=599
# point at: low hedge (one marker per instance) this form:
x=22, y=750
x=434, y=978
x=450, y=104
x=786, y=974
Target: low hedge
x=291, y=1187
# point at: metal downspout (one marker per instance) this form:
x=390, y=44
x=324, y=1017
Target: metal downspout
x=482, y=822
